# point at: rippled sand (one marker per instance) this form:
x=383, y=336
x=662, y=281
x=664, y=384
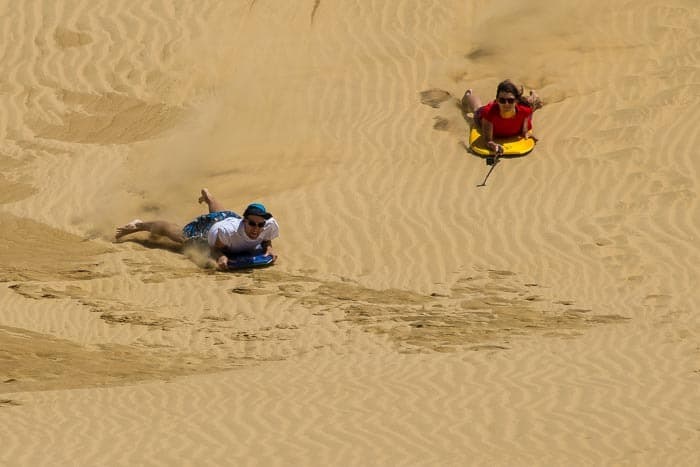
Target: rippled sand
x=547, y=318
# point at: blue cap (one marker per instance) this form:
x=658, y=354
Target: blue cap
x=257, y=209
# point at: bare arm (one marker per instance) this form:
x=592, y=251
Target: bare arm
x=487, y=132
x=526, y=131
x=218, y=255
x=267, y=248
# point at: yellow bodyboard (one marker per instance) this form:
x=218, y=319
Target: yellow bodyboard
x=515, y=146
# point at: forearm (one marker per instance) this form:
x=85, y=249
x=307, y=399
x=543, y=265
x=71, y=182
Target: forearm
x=267, y=247
x=487, y=130
x=215, y=253
x=219, y=258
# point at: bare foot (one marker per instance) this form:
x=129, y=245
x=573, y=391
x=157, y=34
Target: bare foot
x=205, y=196
x=534, y=100
x=129, y=228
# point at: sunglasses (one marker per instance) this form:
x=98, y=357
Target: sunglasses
x=509, y=100
x=259, y=225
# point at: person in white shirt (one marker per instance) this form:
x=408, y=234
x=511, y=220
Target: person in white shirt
x=226, y=233
x=253, y=233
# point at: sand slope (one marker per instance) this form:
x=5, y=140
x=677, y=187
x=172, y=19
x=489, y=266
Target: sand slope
x=547, y=318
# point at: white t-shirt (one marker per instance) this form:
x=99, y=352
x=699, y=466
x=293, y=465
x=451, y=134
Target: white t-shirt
x=231, y=232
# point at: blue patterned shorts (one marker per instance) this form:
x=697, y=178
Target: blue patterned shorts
x=199, y=228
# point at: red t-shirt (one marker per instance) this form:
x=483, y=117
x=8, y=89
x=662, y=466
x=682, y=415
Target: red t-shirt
x=504, y=127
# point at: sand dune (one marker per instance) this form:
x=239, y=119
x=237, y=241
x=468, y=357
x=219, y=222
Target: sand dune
x=547, y=318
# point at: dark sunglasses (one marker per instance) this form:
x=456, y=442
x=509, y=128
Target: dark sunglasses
x=259, y=225
x=503, y=100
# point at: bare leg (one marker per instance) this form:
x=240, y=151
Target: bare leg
x=213, y=204
x=470, y=105
x=470, y=102
x=162, y=228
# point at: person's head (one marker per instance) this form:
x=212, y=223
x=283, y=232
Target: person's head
x=254, y=218
x=507, y=95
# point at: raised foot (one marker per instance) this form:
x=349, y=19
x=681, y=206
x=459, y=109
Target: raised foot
x=534, y=100
x=205, y=198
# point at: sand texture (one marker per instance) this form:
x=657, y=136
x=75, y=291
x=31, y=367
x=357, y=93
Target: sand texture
x=547, y=318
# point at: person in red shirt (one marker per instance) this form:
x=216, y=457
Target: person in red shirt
x=507, y=116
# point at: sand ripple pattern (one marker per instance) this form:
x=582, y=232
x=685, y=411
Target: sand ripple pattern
x=548, y=318
x=273, y=416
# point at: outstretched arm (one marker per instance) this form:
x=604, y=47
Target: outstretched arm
x=217, y=254
x=267, y=248
x=219, y=257
x=526, y=128
x=526, y=131
x=487, y=132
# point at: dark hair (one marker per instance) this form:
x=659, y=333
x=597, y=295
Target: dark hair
x=510, y=87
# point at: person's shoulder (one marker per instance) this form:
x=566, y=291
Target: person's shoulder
x=229, y=223
x=525, y=109
x=490, y=106
x=272, y=228
x=489, y=111
x=232, y=220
